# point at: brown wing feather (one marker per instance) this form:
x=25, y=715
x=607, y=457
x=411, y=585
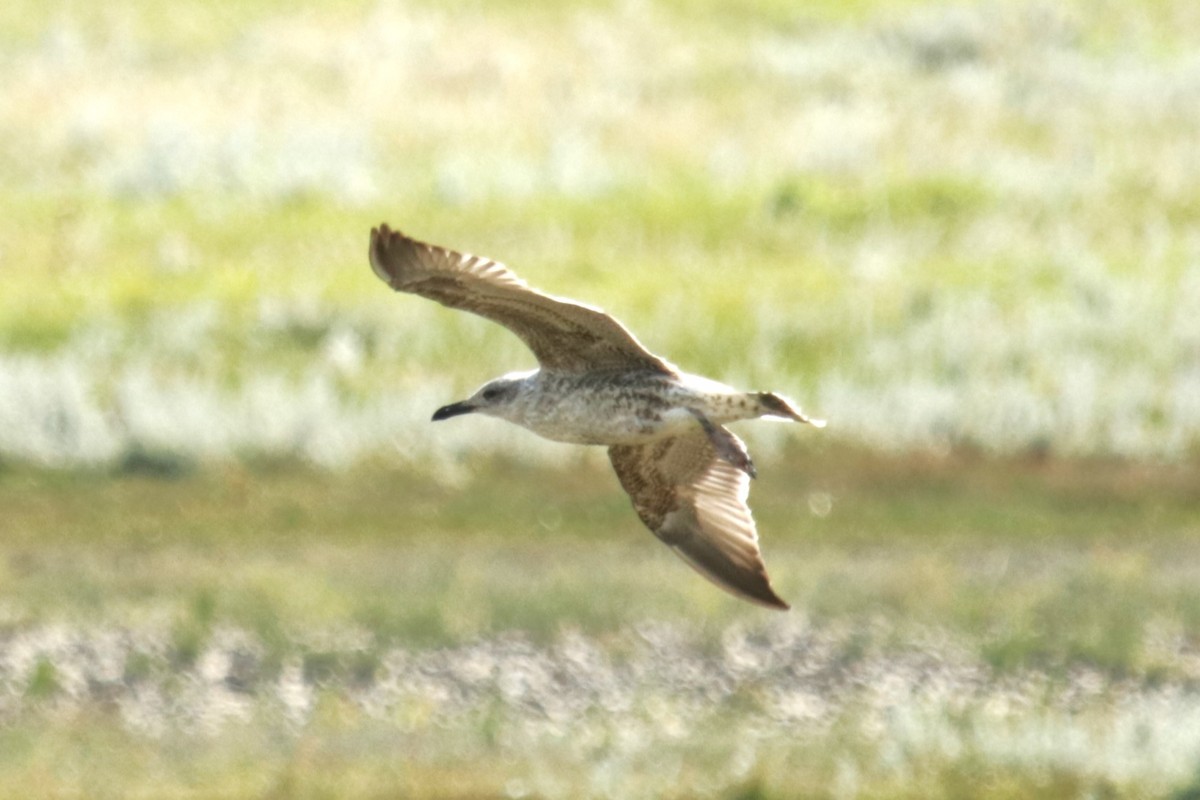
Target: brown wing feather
x=564, y=336
x=695, y=502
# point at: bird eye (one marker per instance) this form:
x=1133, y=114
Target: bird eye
x=491, y=394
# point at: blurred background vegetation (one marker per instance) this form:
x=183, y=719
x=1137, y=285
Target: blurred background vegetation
x=237, y=560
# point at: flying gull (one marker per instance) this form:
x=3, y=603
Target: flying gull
x=687, y=474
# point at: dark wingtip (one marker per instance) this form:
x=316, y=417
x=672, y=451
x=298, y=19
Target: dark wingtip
x=377, y=253
x=769, y=599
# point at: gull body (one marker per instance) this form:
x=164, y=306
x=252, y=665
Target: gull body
x=609, y=407
x=686, y=473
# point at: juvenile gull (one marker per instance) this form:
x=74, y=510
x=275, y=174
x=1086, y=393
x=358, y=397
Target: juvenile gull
x=687, y=474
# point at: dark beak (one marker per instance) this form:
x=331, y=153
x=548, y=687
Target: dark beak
x=452, y=410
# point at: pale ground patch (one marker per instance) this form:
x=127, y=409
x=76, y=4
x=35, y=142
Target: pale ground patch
x=601, y=712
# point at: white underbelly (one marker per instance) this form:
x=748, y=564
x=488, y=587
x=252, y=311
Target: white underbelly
x=612, y=428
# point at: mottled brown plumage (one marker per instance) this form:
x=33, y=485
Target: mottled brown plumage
x=564, y=336
x=687, y=474
x=695, y=502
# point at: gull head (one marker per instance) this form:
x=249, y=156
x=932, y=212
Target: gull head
x=496, y=398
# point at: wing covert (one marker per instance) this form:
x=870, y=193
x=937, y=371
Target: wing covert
x=564, y=336
x=695, y=502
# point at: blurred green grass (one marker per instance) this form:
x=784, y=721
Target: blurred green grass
x=1037, y=566
x=1030, y=568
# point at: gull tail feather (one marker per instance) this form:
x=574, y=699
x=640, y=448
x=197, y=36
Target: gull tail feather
x=774, y=405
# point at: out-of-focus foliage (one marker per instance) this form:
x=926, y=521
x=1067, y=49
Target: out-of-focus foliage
x=939, y=227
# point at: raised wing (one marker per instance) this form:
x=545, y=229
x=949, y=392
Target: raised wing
x=564, y=336
x=695, y=502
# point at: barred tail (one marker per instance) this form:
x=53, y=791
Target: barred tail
x=775, y=406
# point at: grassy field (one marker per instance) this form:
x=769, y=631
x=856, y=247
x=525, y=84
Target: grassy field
x=1013, y=627
x=236, y=559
